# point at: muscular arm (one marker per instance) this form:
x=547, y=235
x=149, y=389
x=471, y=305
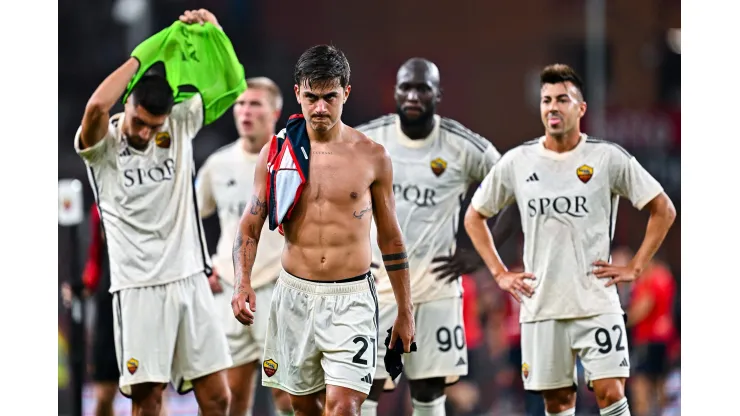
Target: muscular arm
x=95, y=119
x=480, y=236
x=390, y=239
x=662, y=214
x=250, y=226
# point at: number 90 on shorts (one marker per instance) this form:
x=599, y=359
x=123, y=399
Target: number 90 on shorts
x=440, y=339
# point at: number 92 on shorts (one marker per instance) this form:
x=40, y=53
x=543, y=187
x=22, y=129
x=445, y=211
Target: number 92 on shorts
x=549, y=351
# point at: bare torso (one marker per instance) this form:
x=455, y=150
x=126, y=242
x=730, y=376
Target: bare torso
x=328, y=235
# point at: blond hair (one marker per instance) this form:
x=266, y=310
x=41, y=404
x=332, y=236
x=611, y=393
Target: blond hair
x=266, y=84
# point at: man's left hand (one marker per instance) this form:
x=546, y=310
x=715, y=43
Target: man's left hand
x=615, y=274
x=460, y=263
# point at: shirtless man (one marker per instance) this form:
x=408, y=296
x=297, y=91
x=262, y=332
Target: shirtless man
x=322, y=337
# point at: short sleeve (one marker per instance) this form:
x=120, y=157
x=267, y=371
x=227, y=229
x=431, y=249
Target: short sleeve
x=191, y=113
x=94, y=154
x=204, y=190
x=479, y=163
x=629, y=179
x=496, y=191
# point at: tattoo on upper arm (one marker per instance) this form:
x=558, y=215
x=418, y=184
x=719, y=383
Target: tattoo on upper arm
x=257, y=207
x=362, y=213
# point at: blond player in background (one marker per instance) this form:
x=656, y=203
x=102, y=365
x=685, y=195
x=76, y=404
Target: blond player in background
x=224, y=185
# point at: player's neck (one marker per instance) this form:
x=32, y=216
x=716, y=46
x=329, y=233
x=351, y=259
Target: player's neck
x=418, y=131
x=564, y=143
x=328, y=136
x=253, y=146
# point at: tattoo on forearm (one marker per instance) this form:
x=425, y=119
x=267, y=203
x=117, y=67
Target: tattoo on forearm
x=257, y=207
x=243, y=256
x=396, y=267
x=396, y=256
x=362, y=213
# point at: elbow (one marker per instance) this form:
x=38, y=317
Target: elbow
x=390, y=241
x=95, y=108
x=668, y=211
x=671, y=212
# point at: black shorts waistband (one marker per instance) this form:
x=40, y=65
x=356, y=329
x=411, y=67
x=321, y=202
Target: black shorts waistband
x=357, y=278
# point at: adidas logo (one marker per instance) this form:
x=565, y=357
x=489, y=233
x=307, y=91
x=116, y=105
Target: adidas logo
x=367, y=379
x=126, y=152
x=533, y=178
x=624, y=363
x=461, y=361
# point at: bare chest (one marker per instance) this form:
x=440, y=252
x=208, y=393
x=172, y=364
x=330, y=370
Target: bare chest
x=339, y=178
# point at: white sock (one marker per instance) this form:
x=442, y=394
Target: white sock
x=567, y=412
x=369, y=408
x=434, y=408
x=620, y=408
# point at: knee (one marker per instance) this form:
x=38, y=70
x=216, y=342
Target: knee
x=428, y=390
x=147, y=397
x=559, y=400
x=217, y=401
x=343, y=406
x=609, y=391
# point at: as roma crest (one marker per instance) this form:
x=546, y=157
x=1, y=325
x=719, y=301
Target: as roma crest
x=162, y=139
x=585, y=172
x=132, y=365
x=270, y=367
x=525, y=370
x=438, y=166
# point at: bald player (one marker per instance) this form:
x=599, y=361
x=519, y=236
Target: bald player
x=224, y=184
x=435, y=161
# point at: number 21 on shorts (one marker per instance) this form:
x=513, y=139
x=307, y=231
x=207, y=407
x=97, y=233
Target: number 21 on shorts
x=364, y=342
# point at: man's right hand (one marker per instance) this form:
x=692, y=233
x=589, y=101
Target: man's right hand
x=514, y=284
x=244, y=304
x=403, y=328
x=213, y=281
x=200, y=16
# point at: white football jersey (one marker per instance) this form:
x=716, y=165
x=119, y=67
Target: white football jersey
x=568, y=204
x=225, y=184
x=147, y=201
x=430, y=178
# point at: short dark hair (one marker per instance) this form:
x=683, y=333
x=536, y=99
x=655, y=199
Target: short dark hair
x=557, y=73
x=322, y=65
x=154, y=93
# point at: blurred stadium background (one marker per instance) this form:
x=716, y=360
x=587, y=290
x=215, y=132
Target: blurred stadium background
x=489, y=54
